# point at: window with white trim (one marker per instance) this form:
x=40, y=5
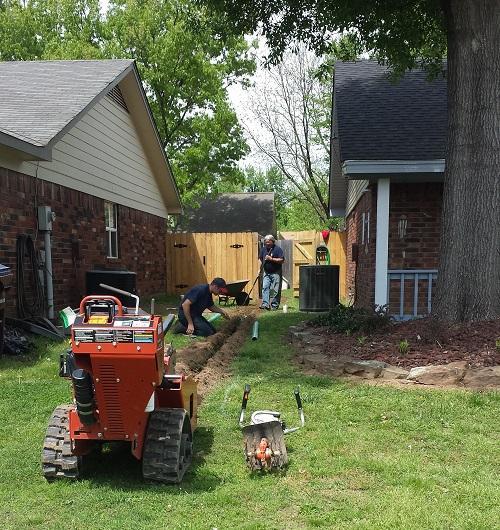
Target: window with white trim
x=365, y=228
x=111, y=219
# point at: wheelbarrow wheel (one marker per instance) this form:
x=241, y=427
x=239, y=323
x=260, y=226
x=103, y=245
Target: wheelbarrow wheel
x=242, y=299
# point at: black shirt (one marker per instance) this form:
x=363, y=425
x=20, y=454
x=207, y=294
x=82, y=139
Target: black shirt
x=201, y=299
x=271, y=267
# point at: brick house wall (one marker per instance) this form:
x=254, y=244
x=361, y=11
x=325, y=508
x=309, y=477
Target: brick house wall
x=419, y=206
x=78, y=237
x=361, y=273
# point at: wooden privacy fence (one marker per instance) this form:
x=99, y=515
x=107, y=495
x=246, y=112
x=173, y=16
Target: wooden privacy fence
x=194, y=258
x=303, y=248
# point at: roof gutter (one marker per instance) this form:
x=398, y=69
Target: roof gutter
x=38, y=152
x=386, y=167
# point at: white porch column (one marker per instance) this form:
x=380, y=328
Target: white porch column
x=382, y=242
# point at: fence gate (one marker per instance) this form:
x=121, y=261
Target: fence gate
x=194, y=258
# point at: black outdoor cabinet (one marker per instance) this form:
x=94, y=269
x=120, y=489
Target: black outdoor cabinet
x=124, y=280
x=318, y=287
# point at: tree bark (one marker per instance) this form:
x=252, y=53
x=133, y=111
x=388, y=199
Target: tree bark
x=468, y=286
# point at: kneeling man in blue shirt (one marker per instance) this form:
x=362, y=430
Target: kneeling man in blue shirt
x=196, y=300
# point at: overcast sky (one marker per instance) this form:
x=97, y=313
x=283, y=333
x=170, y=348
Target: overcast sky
x=242, y=100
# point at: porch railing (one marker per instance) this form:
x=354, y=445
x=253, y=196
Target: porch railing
x=415, y=292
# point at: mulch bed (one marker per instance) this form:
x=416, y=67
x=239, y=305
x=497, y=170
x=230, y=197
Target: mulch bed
x=429, y=342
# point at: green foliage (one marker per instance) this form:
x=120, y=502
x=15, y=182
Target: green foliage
x=292, y=212
x=350, y=319
x=186, y=65
x=497, y=344
x=270, y=180
x=404, y=34
x=403, y=347
x=50, y=29
x=300, y=215
x=361, y=339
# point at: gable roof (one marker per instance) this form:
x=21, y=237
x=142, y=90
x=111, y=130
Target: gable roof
x=382, y=128
x=42, y=100
x=377, y=119
x=233, y=212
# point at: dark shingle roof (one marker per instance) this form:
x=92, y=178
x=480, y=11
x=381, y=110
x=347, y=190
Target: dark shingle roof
x=232, y=212
x=381, y=120
x=39, y=98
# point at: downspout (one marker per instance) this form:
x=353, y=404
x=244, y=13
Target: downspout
x=45, y=218
x=382, y=242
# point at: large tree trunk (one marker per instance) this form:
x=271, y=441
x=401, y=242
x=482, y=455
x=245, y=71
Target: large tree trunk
x=469, y=271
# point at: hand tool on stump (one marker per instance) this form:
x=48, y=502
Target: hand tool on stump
x=264, y=438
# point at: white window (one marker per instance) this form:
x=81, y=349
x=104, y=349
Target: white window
x=111, y=217
x=365, y=228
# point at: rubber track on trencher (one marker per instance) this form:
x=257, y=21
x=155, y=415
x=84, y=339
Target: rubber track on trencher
x=57, y=459
x=168, y=448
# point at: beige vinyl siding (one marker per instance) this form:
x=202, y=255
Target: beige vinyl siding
x=355, y=189
x=103, y=156
x=338, y=183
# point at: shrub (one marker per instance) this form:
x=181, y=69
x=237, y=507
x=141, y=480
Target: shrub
x=404, y=346
x=349, y=320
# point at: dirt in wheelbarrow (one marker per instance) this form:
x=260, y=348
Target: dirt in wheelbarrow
x=208, y=360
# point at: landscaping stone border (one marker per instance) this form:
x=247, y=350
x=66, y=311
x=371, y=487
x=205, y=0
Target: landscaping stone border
x=455, y=374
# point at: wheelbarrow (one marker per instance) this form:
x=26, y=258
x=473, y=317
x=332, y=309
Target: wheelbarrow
x=264, y=438
x=234, y=293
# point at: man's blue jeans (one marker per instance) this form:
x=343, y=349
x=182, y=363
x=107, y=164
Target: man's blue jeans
x=270, y=290
x=202, y=327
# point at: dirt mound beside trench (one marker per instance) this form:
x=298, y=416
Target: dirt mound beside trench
x=208, y=360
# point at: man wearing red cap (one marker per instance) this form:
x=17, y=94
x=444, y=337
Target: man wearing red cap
x=196, y=300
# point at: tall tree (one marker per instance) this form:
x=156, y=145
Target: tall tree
x=272, y=179
x=406, y=34
x=187, y=61
x=294, y=114
x=50, y=29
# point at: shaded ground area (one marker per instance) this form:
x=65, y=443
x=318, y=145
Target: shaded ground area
x=419, y=343
x=208, y=360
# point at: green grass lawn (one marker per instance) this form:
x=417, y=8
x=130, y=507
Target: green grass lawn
x=369, y=457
